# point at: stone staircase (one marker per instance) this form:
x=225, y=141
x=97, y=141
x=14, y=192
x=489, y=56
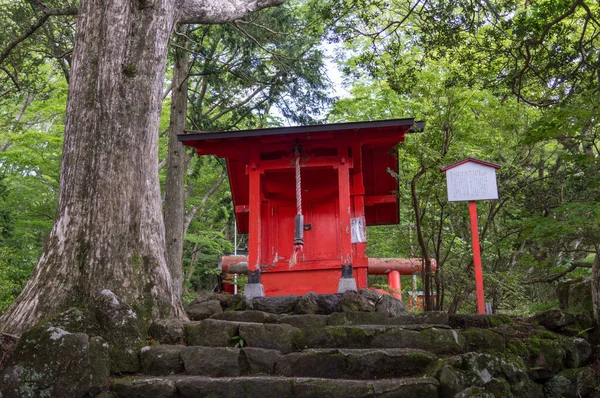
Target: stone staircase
x=260, y=354
x=352, y=353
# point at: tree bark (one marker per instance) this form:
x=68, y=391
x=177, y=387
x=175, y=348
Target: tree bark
x=426, y=274
x=174, y=189
x=109, y=231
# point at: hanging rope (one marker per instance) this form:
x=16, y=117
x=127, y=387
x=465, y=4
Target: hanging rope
x=298, y=182
x=299, y=221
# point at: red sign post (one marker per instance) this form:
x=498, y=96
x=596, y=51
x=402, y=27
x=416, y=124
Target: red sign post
x=477, y=258
x=471, y=180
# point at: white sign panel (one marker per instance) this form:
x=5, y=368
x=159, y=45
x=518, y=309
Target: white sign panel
x=471, y=181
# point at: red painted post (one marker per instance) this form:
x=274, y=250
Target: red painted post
x=394, y=284
x=344, y=203
x=477, y=258
x=255, y=216
x=358, y=195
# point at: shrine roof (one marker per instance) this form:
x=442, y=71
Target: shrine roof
x=413, y=126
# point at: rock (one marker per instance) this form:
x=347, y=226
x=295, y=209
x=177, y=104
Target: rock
x=352, y=301
x=355, y=363
x=322, y=304
x=422, y=387
x=276, y=305
x=103, y=394
x=556, y=387
x=211, y=333
x=578, y=353
x=271, y=336
x=327, y=364
x=161, y=359
x=358, y=318
x=99, y=365
x=247, y=316
x=437, y=340
x=335, y=337
x=547, y=357
x=554, y=319
x=305, y=321
x=474, y=392
x=209, y=296
x=497, y=375
x=203, y=310
x=571, y=383
x=120, y=326
x=464, y=321
x=154, y=387
x=49, y=361
x=391, y=306
x=237, y=302
x=483, y=340
x=211, y=361
x=266, y=387
x=431, y=317
x=329, y=303
x=259, y=360
x=580, y=296
x=372, y=295
x=75, y=321
x=168, y=331
x=307, y=304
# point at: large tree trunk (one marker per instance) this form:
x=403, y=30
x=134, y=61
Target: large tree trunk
x=109, y=231
x=174, y=189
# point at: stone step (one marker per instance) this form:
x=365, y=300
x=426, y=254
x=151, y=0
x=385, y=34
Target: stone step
x=438, y=339
x=322, y=363
x=275, y=387
x=335, y=319
x=334, y=363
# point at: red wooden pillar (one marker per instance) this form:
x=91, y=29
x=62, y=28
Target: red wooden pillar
x=344, y=220
x=254, y=229
x=477, y=258
x=395, y=284
x=358, y=194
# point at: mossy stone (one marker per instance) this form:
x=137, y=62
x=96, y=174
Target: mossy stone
x=483, y=340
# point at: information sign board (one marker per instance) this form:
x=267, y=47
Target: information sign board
x=471, y=181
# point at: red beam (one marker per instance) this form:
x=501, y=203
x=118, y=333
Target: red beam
x=322, y=161
x=375, y=200
x=405, y=266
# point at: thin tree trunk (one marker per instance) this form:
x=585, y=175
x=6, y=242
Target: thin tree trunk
x=109, y=231
x=174, y=188
x=426, y=274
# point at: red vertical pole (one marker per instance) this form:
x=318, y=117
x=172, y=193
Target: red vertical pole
x=254, y=228
x=358, y=192
x=394, y=284
x=477, y=258
x=344, y=202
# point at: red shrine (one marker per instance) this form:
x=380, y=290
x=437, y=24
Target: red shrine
x=305, y=194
